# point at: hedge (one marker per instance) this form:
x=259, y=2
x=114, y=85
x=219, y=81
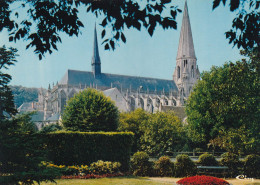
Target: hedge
x=77, y=148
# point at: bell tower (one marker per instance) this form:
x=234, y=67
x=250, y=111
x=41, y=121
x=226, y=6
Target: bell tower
x=186, y=72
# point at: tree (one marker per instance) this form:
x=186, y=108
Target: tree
x=21, y=154
x=163, y=132
x=44, y=20
x=90, y=110
x=21, y=151
x=246, y=26
x=132, y=122
x=24, y=94
x=7, y=58
x=226, y=98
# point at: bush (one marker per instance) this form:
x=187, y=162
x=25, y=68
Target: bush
x=51, y=128
x=77, y=148
x=90, y=111
x=184, y=166
x=164, y=167
x=140, y=164
x=97, y=168
x=202, y=180
x=252, y=166
x=207, y=159
x=232, y=162
x=105, y=167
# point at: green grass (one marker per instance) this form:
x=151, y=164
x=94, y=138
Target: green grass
x=137, y=181
x=109, y=181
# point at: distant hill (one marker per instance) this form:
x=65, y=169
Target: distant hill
x=24, y=94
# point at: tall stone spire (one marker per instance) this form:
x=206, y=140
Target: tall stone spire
x=185, y=75
x=186, y=47
x=96, y=64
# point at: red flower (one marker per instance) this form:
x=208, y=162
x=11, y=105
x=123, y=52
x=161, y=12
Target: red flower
x=202, y=180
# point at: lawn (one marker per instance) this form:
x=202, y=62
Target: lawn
x=137, y=181
x=110, y=181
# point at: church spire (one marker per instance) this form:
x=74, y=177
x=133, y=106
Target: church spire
x=185, y=74
x=186, y=47
x=96, y=64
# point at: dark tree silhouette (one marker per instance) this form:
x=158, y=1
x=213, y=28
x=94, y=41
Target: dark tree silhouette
x=7, y=58
x=44, y=20
x=246, y=26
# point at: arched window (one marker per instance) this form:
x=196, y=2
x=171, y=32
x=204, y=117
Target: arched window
x=142, y=103
x=149, y=105
x=185, y=62
x=166, y=102
x=174, y=102
x=62, y=100
x=71, y=94
x=192, y=71
x=132, y=104
x=178, y=71
x=157, y=102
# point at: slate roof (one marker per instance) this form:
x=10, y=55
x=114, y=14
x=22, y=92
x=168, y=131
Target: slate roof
x=38, y=116
x=105, y=81
x=109, y=92
x=55, y=117
x=26, y=107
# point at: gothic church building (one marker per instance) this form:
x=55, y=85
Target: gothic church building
x=128, y=92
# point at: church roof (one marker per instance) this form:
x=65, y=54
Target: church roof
x=186, y=47
x=105, y=81
x=109, y=92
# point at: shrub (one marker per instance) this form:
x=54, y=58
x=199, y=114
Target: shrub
x=232, y=162
x=51, y=128
x=77, y=148
x=140, y=164
x=252, y=166
x=207, y=159
x=184, y=166
x=105, y=167
x=202, y=180
x=164, y=167
x=98, y=168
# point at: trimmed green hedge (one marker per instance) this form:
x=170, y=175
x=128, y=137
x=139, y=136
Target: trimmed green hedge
x=77, y=148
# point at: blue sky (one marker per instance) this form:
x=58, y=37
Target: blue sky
x=142, y=55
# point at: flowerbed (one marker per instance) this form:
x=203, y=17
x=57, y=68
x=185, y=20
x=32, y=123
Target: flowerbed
x=97, y=169
x=202, y=180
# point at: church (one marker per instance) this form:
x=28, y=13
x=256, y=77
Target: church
x=128, y=92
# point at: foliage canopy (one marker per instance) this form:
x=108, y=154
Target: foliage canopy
x=20, y=150
x=7, y=58
x=226, y=100
x=132, y=122
x=163, y=132
x=90, y=110
x=245, y=27
x=45, y=20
